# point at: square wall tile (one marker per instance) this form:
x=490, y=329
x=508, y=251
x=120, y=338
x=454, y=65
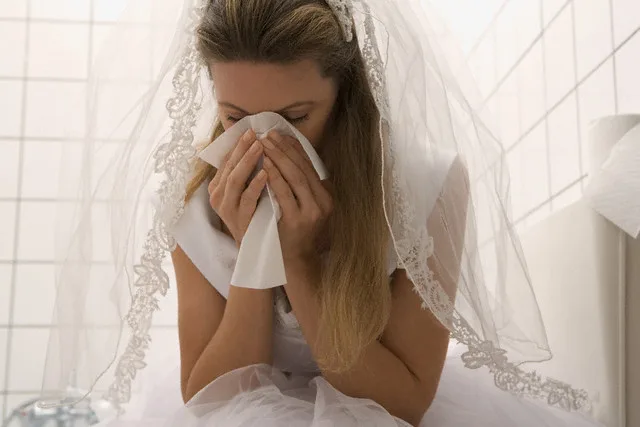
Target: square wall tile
x=55, y=109
x=482, y=63
x=13, y=9
x=10, y=107
x=72, y=10
x=564, y=145
x=6, y=272
x=34, y=294
x=135, y=54
x=55, y=160
x=58, y=50
x=597, y=94
x=41, y=159
x=37, y=231
x=627, y=72
x=626, y=19
x=115, y=10
x=9, y=162
x=115, y=117
x=28, y=355
x=550, y=9
x=102, y=300
x=528, y=23
x=506, y=40
x=559, y=59
x=12, y=48
x=593, y=34
x=597, y=99
x=7, y=225
x=508, y=111
x=535, y=169
x=516, y=182
x=531, y=84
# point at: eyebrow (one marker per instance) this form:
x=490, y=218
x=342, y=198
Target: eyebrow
x=288, y=107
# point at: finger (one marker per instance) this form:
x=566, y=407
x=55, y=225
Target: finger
x=237, y=153
x=281, y=189
x=293, y=149
x=238, y=177
x=288, y=145
x=250, y=196
x=290, y=172
x=216, y=178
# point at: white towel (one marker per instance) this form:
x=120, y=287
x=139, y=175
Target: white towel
x=259, y=264
x=614, y=189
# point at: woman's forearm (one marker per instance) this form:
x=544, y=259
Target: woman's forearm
x=378, y=375
x=243, y=338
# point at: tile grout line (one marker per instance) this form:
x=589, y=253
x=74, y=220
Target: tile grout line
x=577, y=93
x=545, y=88
x=572, y=90
x=486, y=31
x=614, y=61
x=524, y=54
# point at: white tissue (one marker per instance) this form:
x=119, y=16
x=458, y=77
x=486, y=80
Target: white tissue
x=614, y=188
x=259, y=264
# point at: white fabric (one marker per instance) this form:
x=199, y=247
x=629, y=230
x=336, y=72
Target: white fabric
x=264, y=396
x=614, y=188
x=110, y=293
x=465, y=398
x=259, y=264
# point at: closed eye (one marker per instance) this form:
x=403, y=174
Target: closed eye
x=292, y=120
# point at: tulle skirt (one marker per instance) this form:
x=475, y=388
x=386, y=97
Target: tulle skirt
x=262, y=396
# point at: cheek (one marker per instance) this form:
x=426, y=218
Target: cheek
x=314, y=131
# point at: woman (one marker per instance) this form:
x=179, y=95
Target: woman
x=380, y=258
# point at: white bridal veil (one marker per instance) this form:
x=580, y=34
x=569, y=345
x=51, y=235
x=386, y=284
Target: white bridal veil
x=150, y=104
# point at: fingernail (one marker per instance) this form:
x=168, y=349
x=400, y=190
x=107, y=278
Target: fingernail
x=262, y=174
x=268, y=144
x=255, y=147
x=275, y=136
x=248, y=135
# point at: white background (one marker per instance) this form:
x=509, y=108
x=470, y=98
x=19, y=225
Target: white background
x=545, y=69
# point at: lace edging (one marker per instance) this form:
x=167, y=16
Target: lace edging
x=174, y=160
x=342, y=10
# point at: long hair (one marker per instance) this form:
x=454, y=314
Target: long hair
x=354, y=294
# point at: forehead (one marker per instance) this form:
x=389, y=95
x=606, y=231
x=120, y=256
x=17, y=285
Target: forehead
x=257, y=87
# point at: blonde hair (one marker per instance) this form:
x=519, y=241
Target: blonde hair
x=354, y=294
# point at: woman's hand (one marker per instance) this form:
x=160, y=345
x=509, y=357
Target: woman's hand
x=305, y=202
x=229, y=195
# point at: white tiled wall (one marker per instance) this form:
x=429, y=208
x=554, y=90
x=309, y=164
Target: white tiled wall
x=546, y=68
x=565, y=63
x=46, y=48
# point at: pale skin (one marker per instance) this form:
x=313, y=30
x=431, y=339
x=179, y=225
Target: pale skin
x=401, y=371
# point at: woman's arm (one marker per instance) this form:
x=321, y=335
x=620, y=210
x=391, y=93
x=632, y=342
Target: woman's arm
x=218, y=336
x=401, y=371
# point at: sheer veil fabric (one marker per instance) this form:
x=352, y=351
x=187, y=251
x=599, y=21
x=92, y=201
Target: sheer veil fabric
x=147, y=119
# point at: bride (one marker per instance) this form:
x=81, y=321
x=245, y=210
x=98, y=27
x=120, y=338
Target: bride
x=338, y=128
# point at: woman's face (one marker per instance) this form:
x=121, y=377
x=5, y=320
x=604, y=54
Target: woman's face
x=296, y=91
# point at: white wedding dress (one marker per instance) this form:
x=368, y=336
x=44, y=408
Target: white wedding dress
x=265, y=396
